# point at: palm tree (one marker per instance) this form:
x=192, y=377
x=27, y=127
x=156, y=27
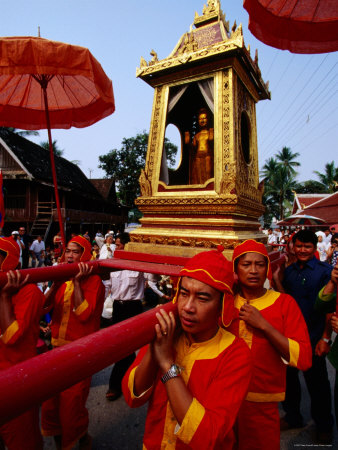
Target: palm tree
x=287, y=158
x=269, y=168
x=329, y=179
x=278, y=189
x=57, y=151
x=279, y=180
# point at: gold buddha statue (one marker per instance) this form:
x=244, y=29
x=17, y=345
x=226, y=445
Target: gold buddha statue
x=201, y=159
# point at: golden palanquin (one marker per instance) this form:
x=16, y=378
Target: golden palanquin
x=210, y=68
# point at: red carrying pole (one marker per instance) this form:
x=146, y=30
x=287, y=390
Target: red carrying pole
x=101, y=266
x=31, y=382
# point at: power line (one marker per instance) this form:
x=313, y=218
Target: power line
x=300, y=123
x=286, y=125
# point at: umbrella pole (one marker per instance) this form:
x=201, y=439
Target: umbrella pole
x=52, y=161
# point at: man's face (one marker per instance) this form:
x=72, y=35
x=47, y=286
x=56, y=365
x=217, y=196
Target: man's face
x=252, y=270
x=334, y=243
x=22, y=230
x=15, y=236
x=73, y=253
x=39, y=238
x=109, y=239
x=119, y=245
x=304, y=251
x=199, y=308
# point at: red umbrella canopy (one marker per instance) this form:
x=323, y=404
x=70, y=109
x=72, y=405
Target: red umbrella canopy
x=78, y=90
x=302, y=219
x=301, y=26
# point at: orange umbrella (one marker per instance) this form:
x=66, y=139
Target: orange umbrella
x=48, y=84
x=301, y=26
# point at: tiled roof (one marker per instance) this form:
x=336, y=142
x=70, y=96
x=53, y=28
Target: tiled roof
x=325, y=208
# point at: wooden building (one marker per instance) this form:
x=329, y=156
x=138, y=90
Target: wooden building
x=29, y=192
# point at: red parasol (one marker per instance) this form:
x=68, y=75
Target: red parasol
x=48, y=84
x=301, y=26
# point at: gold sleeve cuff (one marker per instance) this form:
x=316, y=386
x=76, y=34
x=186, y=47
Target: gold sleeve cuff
x=294, y=353
x=10, y=332
x=131, y=385
x=191, y=421
x=325, y=297
x=81, y=308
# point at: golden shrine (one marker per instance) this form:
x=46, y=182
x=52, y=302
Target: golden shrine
x=207, y=88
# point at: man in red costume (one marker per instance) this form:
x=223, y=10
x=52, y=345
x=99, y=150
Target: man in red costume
x=77, y=306
x=274, y=329
x=194, y=373
x=20, y=311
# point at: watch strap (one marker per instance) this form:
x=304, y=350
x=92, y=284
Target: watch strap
x=173, y=372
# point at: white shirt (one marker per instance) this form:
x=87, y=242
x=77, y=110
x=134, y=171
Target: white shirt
x=127, y=285
x=107, y=251
x=272, y=239
x=152, y=280
x=37, y=247
x=327, y=239
x=322, y=247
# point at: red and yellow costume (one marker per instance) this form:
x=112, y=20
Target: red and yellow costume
x=217, y=373
x=258, y=421
x=66, y=413
x=18, y=343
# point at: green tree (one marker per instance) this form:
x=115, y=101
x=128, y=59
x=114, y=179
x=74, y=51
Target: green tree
x=57, y=151
x=329, y=179
x=310, y=187
x=125, y=164
x=279, y=176
x=287, y=159
x=23, y=133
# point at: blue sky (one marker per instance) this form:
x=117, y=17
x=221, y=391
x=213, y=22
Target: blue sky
x=302, y=114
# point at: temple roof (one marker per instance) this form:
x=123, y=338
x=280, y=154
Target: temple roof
x=209, y=41
x=34, y=162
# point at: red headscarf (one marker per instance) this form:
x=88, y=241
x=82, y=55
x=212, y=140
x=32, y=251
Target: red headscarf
x=213, y=269
x=11, y=248
x=252, y=246
x=83, y=243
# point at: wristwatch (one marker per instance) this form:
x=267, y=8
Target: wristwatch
x=173, y=372
x=328, y=341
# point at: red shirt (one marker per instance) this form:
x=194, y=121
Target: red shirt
x=70, y=323
x=269, y=376
x=18, y=342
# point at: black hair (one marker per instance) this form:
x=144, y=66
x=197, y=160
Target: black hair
x=306, y=236
x=124, y=238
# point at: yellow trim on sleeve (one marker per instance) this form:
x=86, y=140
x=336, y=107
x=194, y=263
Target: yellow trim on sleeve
x=10, y=332
x=325, y=297
x=191, y=421
x=294, y=352
x=67, y=296
x=82, y=307
x=131, y=385
x=260, y=397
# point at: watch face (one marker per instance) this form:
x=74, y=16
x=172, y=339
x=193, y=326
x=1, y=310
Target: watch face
x=175, y=370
